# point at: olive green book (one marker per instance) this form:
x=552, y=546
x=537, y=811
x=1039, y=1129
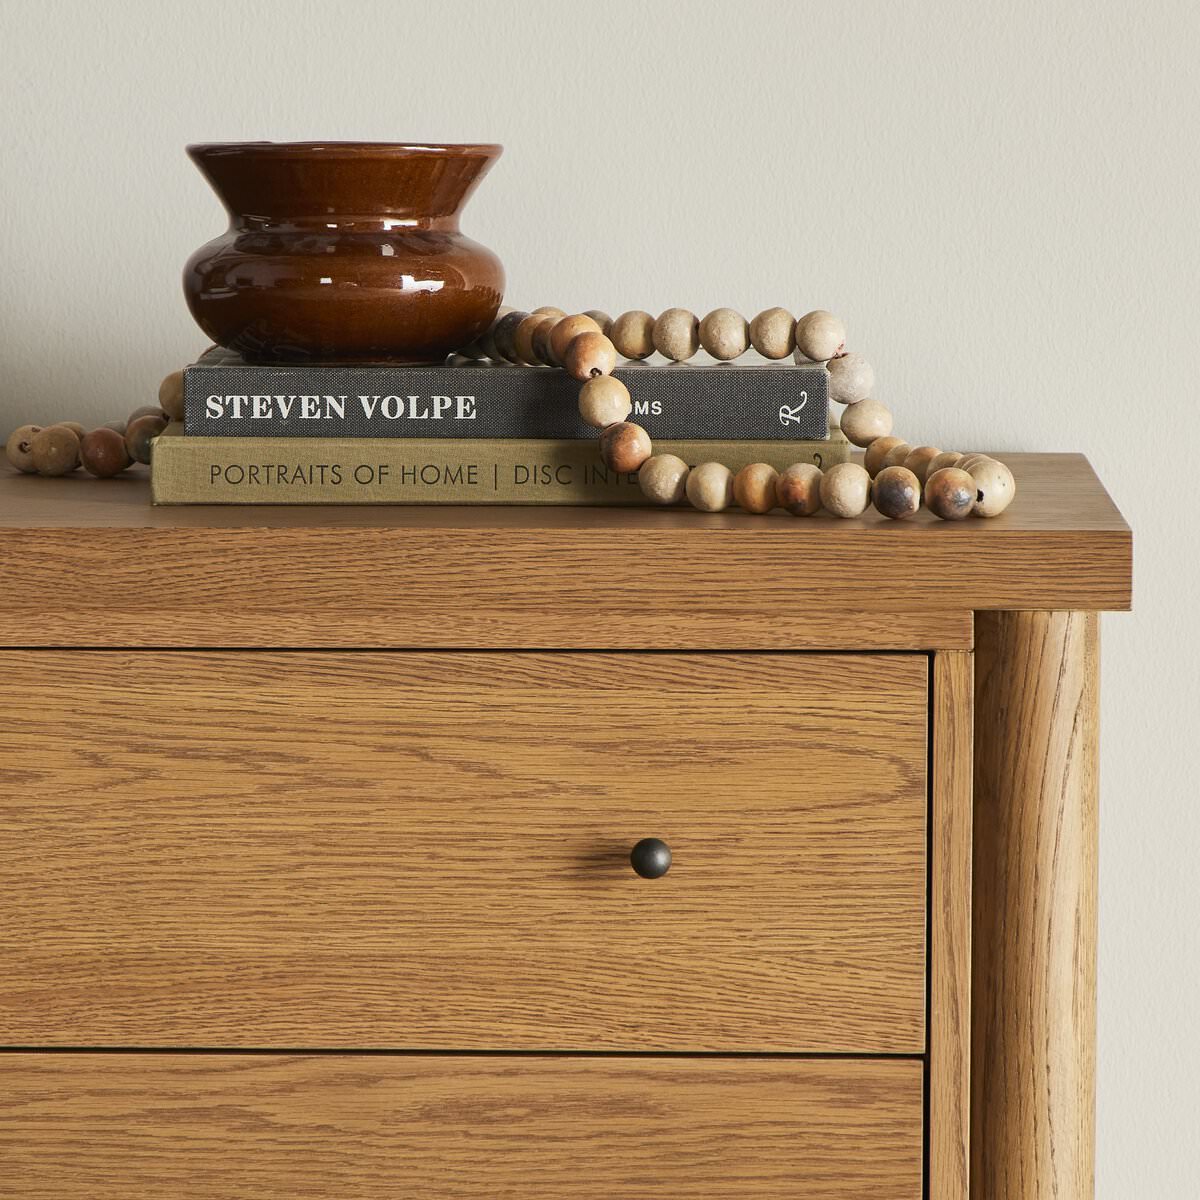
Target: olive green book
x=222, y=470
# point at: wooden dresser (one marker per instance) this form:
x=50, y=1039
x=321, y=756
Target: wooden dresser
x=315, y=834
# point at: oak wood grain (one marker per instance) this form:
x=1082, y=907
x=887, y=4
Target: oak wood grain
x=92, y=563
x=950, y=928
x=430, y=851
x=1033, y=1071
x=261, y=1127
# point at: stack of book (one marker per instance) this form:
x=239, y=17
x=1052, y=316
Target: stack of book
x=468, y=434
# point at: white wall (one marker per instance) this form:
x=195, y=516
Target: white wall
x=1000, y=199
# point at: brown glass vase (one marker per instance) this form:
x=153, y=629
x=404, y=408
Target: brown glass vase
x=343, y=251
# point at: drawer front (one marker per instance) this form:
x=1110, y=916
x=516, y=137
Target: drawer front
x=430, y=851
x=224, y=1127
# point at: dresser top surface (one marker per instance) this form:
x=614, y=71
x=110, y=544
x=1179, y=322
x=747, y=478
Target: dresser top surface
x=1056, y=493
x=90, y=562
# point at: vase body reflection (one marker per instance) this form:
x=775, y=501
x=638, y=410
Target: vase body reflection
x=343, y=252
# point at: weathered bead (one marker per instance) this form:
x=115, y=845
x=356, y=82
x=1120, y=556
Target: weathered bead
x=897, y=493
x=119, y=426
x=505, y=333
x=773, y=333
x=139, y=434
x=969, y=460
x=851, y=378
x=877, y=451
x=540, y=341
x=663, y=478
x=567, y=330
x=819, y=336
x=846, y=489
x=55, y=450
x=865, y=421
x=918, y=459
x=896, y=455
x=588, y=355
x=604, y=401
x=602, y=319
x=633, y=334
x=947, y=458
x=103, y=454
x=724, y=334
x=75, y=427
x=170, y=395
x=523, y=338
x=754, y=487
x=710, y=487
x=625, y=446
x=995, y=487
x=798, y=489
x=950, y=493
x=677, y=334
x=548, y=310
x=486, y=340
x=146, y=410
x=19, y=448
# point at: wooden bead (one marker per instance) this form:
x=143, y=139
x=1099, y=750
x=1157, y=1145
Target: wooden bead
x=710, y=487
x=75, y=427
x=523, y=338
x=950, y=494
x=139, y=435
x=55, y=450
x=590, y=354
x=677, y=334
x=633, y=334
x=819, y=336
x=754, y=487
x=540, y=341
x=663, y=478
x=604, y=401
x=864, y=422
x=19, y=448
x=896, y=455
x=119, y=426
x=773, y=333
x=170, y=395
x=995, y=487
x=724, y=334
x=846, y=489
x=877, y=451
x=625, y=446
x=798, y=489
x=602, y=319
x=146, y=410
x=103, y=454
x=487, y=343
x=505, y=333
x=851, y=378
x=548, y=310
x=918, y=459
x=947, y=458
x=567, y=330
x=969, y=460
x=897, y=493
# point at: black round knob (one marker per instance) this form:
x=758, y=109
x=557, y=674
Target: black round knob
x=651, y=858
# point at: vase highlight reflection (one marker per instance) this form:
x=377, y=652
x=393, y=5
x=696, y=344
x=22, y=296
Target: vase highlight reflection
x=343, y=251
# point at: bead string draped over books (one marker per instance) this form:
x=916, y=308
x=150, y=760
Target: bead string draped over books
x=895, y=476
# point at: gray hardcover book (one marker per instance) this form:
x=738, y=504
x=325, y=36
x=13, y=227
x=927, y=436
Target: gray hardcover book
x=226, y=397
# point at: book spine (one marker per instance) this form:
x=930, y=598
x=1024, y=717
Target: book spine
x=192, y=470
x=718, y=403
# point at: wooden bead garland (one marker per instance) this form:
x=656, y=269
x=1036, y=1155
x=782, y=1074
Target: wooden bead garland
x=895, y=475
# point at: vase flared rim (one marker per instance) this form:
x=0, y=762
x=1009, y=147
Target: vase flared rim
x=344, y=149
